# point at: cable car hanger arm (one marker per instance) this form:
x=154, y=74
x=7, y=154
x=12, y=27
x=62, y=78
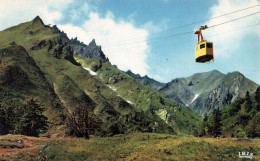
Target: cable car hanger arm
x=200, y=36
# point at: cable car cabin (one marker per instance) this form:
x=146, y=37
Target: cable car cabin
x=204, y=49
x=204, y=52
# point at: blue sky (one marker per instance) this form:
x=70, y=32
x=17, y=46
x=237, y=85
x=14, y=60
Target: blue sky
x=125, y=30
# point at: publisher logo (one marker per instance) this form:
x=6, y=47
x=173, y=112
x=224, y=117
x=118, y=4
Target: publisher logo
x=246, y=155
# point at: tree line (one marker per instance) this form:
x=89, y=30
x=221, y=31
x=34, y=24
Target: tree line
x=26, y=119
x=240, y=119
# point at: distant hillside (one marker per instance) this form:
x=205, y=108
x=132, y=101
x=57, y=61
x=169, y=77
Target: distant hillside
x=204, y=92
x=154, y=85
x=145, y=99
x=146, y=80
x=36, y=61
x=239, y=119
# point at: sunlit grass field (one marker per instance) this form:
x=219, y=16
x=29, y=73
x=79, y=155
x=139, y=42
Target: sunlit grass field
x=144, y=146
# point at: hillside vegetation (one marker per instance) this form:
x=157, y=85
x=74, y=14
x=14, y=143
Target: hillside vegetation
x=37, y=63
x=239, y=119
x=143, y=98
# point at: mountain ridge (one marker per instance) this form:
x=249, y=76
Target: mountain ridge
x=73, y=86
x=80, y=49
x=204, y=92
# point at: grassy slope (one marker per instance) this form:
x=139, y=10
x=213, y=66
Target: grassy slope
x=75, y=86
x=137, y=146
x=28, y=35
x=142, y=97
x=71, y=83
x=151, y=147
x=21, y=79
x=25, y=33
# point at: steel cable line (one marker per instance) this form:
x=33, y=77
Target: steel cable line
x=213, y=35
x=207, y=19
x=183, y=33
x=234, y=19
x=193, y=23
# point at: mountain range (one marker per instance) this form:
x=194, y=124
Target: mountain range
x=41, y=62
x=203, y=92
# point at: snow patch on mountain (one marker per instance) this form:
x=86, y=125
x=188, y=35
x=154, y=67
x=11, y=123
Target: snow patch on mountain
x=195, y=97
x=90, y=71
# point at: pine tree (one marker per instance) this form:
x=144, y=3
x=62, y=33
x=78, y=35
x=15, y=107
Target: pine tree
x=243, y=119
x=2, y=122
x=202, y=127
x=236, y=107
x=249, y=103
x=7, y=119
x=216, y=124
x=257, y=98
x=32, y=121
x=253, y=126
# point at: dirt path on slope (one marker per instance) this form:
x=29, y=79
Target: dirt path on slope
x=20, y=147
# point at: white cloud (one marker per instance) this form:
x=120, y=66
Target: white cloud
x=17, y=11
x=226, y=43
x=108, y=31
x=75, y=31
x=112, y=36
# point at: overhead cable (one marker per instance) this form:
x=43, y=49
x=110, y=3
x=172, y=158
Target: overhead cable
x=243, y=9
x=183, y=33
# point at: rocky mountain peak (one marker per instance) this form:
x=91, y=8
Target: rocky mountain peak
x=37, y=20
x=145, y=80
x=146, y=77
x=215, y=72
x=88, y=51
x=236, y=74
x=203, y=92
x=93, y=43
x=56, y=29
x=136, y=76
x=80, y=49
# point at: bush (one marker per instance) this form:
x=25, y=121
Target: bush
x=80, y=123
x=32, y=121
x=254, y=126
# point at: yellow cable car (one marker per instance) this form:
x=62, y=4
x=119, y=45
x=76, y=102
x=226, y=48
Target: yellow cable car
x=204, y=49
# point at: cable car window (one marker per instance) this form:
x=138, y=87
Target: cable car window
x=209, y=45
x=202, y=46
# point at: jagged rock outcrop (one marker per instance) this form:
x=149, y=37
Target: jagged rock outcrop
x=80, y=49
x=89, y=51
x=38, y=20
